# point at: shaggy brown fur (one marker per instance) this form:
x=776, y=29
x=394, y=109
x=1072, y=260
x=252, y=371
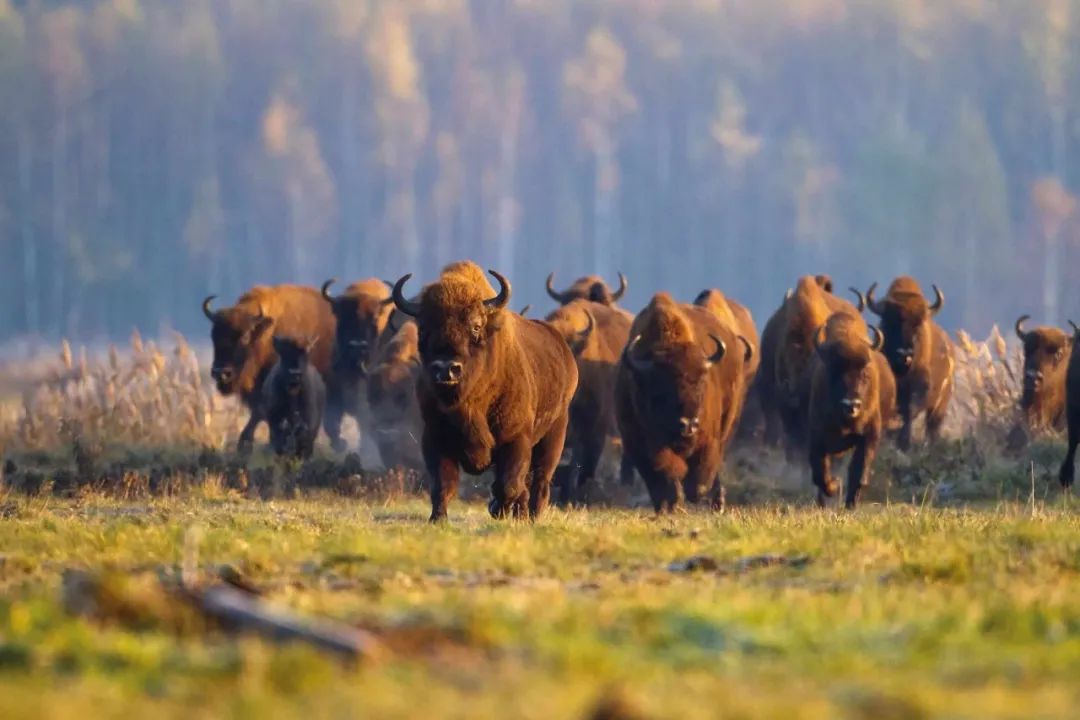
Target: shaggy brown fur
x=737, y=317
x=1047, y=351
x=1072, y=412
x=592, y=412
x=676, y=402
x=243, y=348
x=852, y=398
x=919, y=352
x=495, y=389
x=395, y=413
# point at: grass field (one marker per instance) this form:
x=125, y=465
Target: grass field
x=892, y=612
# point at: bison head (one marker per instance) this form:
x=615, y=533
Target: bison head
x=234, y=332
x=392, y=382
x=670, y=385
x=1046, y=351
x=847, y=359
x=904, y=315
x=590, y=287
x=293, y=359
x=456, y=323
x=575, y=323
x=360, y=319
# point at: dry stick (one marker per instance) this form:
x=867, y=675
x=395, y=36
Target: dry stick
x=1032, y=498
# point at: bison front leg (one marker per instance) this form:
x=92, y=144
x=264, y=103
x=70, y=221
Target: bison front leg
x=903, y=403
x=1068, y=468
x=332, y=423
x=859, y=470
x=510, y=495
x=545, y=458
x=702, y=476
x=821, y=473
x=246, y=441
x=445, y=473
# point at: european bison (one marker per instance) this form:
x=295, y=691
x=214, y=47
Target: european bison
x=1046, y=359
x=590, y=287
x=494, y=388
x=395, y=414
x=1072, y=392
x=919, y=352
x=295, y=398
x=852, y=398
x=243, y=349
x=678, y=394
x=787, y=348
x=596, y=334
x=362, y=314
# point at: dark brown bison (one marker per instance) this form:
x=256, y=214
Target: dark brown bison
x=678, y=395
x=787, y=349
x=395, y=415
x=1046, y=358
x=596, y=334
x=919, y=352
x=243, y=349
x=852, y=398
x=1072, y=412
x=362, y=313
x=494, y=389
x=295, y=398
x=590, y=287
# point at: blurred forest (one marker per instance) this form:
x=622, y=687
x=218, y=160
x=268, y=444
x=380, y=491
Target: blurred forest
x=156, y=151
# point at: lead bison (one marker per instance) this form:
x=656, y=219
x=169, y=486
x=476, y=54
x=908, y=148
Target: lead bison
x=362, y=313
x=243, y=342
x=1072, y=412
x=678, y=395
x=1046, y=358
x=596, y=334
x=919, y=352
x=395, y=415
x=589, y=287
x=787, y=349
x=495, y=389
x=852, y=398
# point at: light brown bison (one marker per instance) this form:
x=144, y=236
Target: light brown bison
x=590, y=287
x=596, y=334
x=1046, y=358
x=362, y=313
x=738, y=318
x=243, y=342
x=919, y=352
x=494, y=389
x=295, y=396
x=1072, y=412
x=787, y=351
x=395, y=414
x=678, y=395
x=852, y=398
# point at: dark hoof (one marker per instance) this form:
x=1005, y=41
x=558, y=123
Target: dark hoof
x=496, y=510
x=1066, y=475
x=437, y=517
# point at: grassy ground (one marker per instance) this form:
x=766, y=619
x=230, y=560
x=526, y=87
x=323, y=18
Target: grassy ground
x=893, y=611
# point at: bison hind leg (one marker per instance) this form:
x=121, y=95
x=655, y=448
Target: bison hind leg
x=545, y=458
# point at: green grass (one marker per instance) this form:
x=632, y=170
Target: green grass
x=899, y=612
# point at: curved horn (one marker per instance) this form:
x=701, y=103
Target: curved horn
x=818, y=336
x=749, y=354
x=499, y=301
x=617, y=295
x=583, y=335
x=718, y=354
x=326, y=290
x=876, y=306
x=635, y=364
x=1076, y=329
x=409, y=308
x=862, y=298
x=1019, y=327
x=525, y=310
x=788, y=294
x=207, y=310
x=559, y=297
x=879, y=338
x=939, y=300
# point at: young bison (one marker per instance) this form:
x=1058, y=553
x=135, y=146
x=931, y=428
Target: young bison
x=295, y=399
x=852, y=397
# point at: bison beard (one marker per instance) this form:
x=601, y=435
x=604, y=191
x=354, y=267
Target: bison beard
x=243, y=348
x=919, y=352
x=852, y=397
x=494, y=388
x=1072, y=392
x=678, y=395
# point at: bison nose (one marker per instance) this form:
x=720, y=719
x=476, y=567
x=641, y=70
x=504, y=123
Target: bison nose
x=453, y=371
x=446, y=371
x=222, y=374
x=852, y=406
x=688, y=427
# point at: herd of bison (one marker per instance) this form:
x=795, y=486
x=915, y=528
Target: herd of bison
x=451, y=379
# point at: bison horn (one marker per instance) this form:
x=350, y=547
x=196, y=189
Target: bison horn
x=862, y=298
x=409, y=308
x=207, y=311
x=583, y=335
x=617, y=295
x=1019, y=327
x=525, y=310
x=559, y=297
x=879, y=338
x=939, y=300
x=1076, y=329
x=326, y=290
x=876, y=306
x=499, y=301
x=749, y=354
x=788, y=294
x=718, y=354
x=636, y=364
